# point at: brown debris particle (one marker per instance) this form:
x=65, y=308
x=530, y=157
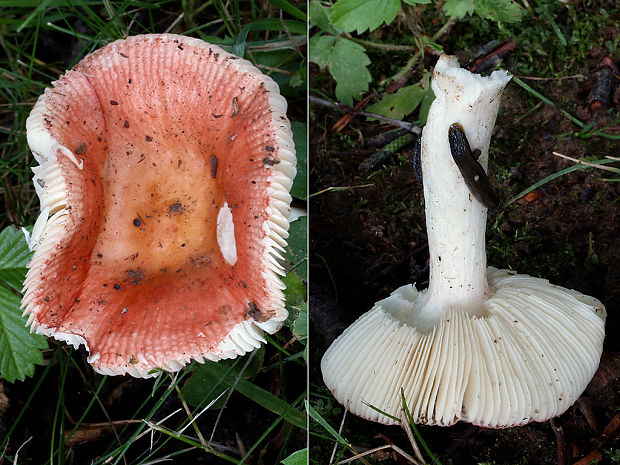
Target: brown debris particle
x=255, y=313
x=135, y=276
x=270, y=161
x=81, y=148
x=176, y=207
x=113, y=102
x=235, y=104
x=213, y=166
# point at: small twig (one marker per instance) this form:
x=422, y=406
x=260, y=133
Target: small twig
x=344, y=416
x=559, y=437
x=289, y=35
x=208, y=406
x=190, y=416
x=380, y=46
x=114, y=18
x=345, y=108
x=174, y=23
x=491, y=58
x=396, y=449
x=408, y=68
x=277, y=70
x=536, y=78
x=592, y=165
x=587, y=412
x=20, y=448
x=339, y=189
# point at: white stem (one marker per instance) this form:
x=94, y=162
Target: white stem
x=455, y=220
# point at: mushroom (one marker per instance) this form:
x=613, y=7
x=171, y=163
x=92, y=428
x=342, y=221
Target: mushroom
x=482, y=345
x=165, y=165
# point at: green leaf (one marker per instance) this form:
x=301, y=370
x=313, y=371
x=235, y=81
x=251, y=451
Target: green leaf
x=300, y=77
x=300, y=327
x=320, y=48
x=506, y=11
x=348, y=66
x=223, y=378
x=458, y=8
x=361, y=15
x=295, y=290
x=399, y=104
x=14, y=256
x=300, y=184
x=426, y=40
x=417, y=2
x=346, y=62
x=19, y=349
x=319, y=17
x=297, y=247
x=299, y=457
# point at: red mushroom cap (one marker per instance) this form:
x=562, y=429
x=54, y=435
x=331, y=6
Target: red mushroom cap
x=165, y=165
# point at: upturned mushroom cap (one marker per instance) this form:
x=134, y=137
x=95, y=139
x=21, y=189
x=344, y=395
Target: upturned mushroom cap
x=528, y=358
x=480, y=345
x=165, y=165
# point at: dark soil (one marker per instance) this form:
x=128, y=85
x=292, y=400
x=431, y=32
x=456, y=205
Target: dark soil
x=367, y=241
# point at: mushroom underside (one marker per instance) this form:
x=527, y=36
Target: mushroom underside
x=527, y=356
x=164, y=170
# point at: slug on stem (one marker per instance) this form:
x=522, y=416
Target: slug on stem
x=473, y=173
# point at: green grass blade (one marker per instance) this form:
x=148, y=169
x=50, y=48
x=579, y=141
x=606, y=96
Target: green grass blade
x=290, y=9
x=553, y=176
x=321, y=421
x=271, y=427
x=578, y=122
x=554, y=25
x=257, y=394
x=417, y=433
x=190, y=441
x=26, y=407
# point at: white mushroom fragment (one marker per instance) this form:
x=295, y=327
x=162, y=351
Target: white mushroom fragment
x=481, y=345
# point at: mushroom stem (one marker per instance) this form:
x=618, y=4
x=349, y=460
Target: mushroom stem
x=455, y=219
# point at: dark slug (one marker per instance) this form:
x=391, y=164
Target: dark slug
x=473, y=173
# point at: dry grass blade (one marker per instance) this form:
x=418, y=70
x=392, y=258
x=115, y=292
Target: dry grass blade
x=592, y=165
x=396, y=449
x=404, y=421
